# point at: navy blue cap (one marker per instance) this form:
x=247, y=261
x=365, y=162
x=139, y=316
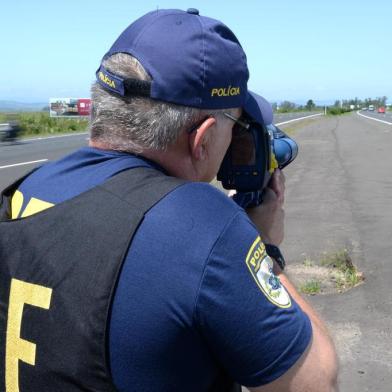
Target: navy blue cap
x=192, y=60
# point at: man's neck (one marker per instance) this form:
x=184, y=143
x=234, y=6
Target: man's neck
x=175, y=160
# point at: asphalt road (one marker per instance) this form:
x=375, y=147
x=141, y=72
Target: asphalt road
x=21, y=157
x=378, y=116
x=339, y=193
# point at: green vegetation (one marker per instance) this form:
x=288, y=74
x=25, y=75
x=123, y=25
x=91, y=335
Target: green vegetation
x=289, y=107
x=345, y=273
x=308, y=262
x=356, y=103
x=311, y=287
x=39, y=123
x=339, y=107
x=339, y=259
x=334, y=272
x=293, y=127
x=337, y=111
x=310, y=105
x=345, y=106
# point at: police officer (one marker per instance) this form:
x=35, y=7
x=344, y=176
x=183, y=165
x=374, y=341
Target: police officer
x=123, y=269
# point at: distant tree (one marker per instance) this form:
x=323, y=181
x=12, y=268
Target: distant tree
x=381, y=101
x=368, y=101
x=287, y=106
x=337, y=104
x=274, y=106
x=310, y=105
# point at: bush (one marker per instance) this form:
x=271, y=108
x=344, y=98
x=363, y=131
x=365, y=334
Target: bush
x=336, y=111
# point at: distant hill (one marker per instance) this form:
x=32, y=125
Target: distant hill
x=13, y=106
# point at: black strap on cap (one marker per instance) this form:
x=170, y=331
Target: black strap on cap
x=121, y=86
x=137, y=87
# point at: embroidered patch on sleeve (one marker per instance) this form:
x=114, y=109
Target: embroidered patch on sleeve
x=260, y=266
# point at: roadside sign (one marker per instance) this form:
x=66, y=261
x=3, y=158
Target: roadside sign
x=69, y=107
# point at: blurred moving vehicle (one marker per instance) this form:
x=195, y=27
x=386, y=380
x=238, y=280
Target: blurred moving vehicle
x=371, y=108
x=381, y=109
x=9, y=132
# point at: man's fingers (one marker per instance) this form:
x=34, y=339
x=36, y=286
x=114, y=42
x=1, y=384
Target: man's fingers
x=269, y=195
x=277, y=184
x=272, y=198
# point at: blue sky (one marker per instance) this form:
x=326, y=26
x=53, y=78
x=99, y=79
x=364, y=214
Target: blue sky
x=297, y=50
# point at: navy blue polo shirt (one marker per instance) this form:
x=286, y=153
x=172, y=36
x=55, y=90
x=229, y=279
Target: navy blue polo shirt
x=196, y=292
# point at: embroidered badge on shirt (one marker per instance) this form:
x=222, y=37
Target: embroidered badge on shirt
x=260, y=266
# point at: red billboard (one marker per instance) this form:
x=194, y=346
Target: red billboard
x=69, y=107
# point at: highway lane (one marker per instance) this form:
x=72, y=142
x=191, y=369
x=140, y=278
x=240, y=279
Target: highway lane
x=387, y=117
x=15, y=158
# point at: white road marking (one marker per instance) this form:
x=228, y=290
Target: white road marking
x=301, y=118
x=22, y=163
x=54, y=137
x=375, y=119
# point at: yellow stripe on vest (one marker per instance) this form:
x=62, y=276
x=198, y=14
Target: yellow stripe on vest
x=16, y=204
x=35, y=206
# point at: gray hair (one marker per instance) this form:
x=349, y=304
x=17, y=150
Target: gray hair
x=133, y=124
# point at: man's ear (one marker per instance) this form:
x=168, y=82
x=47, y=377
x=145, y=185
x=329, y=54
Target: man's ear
x=198, y=139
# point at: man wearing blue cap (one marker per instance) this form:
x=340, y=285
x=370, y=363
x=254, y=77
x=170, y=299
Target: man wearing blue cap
x=133, y=272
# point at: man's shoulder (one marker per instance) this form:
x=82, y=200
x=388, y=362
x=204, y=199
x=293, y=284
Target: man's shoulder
x=203, y=191
x=75, y=173
x=197, y=207
x=203, y=196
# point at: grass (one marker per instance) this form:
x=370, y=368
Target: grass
x=345, y=273
x=292, y=128
x=308, y=262
x=311, y=287
x=40, y=123
x=335, y=111
x=333, y=272
x=339, y=259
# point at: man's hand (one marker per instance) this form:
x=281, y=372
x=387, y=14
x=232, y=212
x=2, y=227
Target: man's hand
x=269, y=215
